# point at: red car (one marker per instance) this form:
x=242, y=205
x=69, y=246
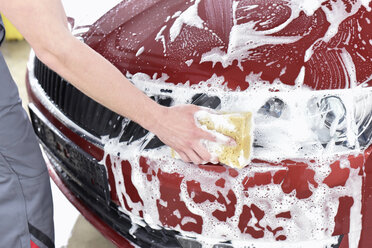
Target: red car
x=302, y=68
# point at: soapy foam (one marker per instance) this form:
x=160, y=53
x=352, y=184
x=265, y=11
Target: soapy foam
x=294, y=135
x=140, y=51
x=277, y=144
x=189, y=17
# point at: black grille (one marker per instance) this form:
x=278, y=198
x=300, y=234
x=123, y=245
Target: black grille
x=78, y=107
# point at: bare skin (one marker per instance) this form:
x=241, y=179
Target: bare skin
x=43, y=23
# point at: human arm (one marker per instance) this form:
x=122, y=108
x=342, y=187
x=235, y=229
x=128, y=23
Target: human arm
x=44, y=24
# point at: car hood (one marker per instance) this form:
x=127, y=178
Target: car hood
x=286, y=42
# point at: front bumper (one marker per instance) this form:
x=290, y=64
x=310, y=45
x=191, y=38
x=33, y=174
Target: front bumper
x=71, y=151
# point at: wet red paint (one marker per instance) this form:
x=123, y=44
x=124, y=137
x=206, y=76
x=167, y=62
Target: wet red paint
x=338, y=175
x=279, y=176
x=249, y=212
x=366, y=237
x=299, y=178
x=145, y=167
x=342, y=219
x=233, y=172
x=275, y=176
x=199, y=196
x=228, y=203
x=257, y=180
x=345, y=242
x=357, y=161
x=286, y=215
x=170, y=194
x=214, y=168
x=111, y=179
x=275, y=230
x=220, y=183
x=130, y=188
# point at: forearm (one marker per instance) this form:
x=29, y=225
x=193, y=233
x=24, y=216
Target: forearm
x=99, y=79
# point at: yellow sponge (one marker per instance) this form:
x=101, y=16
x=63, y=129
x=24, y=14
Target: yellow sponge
x=237, y=125
x=11, y=32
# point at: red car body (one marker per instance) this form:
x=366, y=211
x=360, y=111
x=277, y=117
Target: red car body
x=297, y=45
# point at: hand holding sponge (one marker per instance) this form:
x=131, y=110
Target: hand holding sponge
x=237, y=125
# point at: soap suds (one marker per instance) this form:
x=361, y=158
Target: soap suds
x=310, y=130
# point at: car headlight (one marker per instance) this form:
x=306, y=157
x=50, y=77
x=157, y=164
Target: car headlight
x=313, y=124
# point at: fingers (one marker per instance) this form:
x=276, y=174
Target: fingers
x=226, y=140
x=229, y=141
x=205, y=135
x=203, y=152
x=197, y=154
x=190, y=156
x=195, y=158
x=184, y=157
x=209, y=110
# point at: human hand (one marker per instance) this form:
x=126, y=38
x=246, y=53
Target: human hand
x=179, y=131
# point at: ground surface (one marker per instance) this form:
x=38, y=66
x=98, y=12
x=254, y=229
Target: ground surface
x=72, y=230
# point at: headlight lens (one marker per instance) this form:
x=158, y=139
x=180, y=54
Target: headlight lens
x=314, y=124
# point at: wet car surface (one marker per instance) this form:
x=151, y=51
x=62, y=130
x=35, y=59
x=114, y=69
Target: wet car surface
x=304, y=71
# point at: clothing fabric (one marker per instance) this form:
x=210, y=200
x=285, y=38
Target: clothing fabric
x=26, y=208
x=2, y=31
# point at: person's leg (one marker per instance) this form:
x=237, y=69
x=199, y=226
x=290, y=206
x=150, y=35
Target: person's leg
x=13, y=217
x=26, y=209
x=25, y=181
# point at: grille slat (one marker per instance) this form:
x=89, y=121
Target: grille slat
x=55, y=87
x=46, y=81
x=91, y=108
x=68, y=96
x=103, y=125
x=42, y=76
x=75, y=106
x=84, y=113
x=61, y=93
